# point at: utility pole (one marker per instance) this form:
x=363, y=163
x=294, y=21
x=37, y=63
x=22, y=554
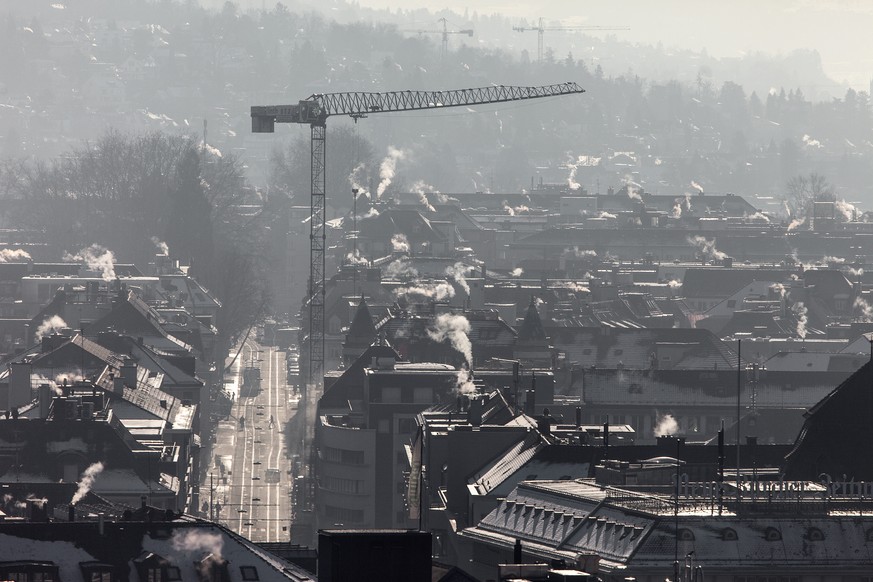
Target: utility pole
x=355, y=240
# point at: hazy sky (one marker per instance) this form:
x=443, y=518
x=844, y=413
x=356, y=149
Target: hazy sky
x=838, y=29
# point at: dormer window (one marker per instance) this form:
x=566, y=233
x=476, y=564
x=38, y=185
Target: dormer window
x=249, y=573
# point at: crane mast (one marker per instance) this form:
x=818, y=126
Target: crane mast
x=445, y=32
x=314, y=111
x=542, y=29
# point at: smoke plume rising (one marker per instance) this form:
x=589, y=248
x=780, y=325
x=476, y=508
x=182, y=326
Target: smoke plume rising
x=162, y=247
x=49, y=326
x=96, y=258
x=87, y=481
x=388, y=169
x=458, y=272
x=706, y=248
x=456, y=329
x=198, y=542
x=666, y=426
x=13, y=256
x=399, y=243
x=800, y=311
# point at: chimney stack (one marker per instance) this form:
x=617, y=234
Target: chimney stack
x=71, y=513
x=578, y=416
x=45, y=400
x=474, y=414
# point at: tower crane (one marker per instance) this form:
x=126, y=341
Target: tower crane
x=445, y=32
x=542, y=29
x=314, y=111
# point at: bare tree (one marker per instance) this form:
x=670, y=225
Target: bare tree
x=801, y=192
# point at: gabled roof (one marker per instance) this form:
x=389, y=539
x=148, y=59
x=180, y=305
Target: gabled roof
x=133, y=316
x=350, y=385
x=531, y=329
x=362, y=327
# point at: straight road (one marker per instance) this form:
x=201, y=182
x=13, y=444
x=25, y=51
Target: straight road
x=250, y=471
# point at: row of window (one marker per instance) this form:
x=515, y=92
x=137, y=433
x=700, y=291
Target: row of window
x=340, y=485
x=344, y=456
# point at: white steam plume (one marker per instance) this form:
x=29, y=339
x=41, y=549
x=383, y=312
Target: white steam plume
x=857, y=273
x=632, y=188
x=795, y=223
x=571, y=179
x=509, y=210
x=355, y=258
x=849, y=211
x=436, y=291
x=674, y=283
x=677, y=209
x=14, y=256
x=865, y=308
x=456, y=329
x=778, y=288
x=666, y=426
x=162, y=247
x=758, y=216
x=356, y=180
x=706, y=248
x=399, y=243
x=800, y=312
x=96, y=258
x=464, y=385
x=697, y=186
x=198, y=542
x=401, y=269
x=388, y=169
x=49, y=326
x=458, y=272
x=422, y=188
x=837, y=260
x=86, y=481
x=605, y=214
x=517, y=272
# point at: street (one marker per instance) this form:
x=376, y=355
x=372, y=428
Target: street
x=250, y=475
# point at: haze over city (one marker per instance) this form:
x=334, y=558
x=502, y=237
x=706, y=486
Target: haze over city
x=435, y=291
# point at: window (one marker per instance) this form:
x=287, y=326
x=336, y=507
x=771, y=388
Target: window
x=685, y=535
x=344, y=456
x=729, y=534
x=340, y=485
x=771, y=534
x=390, y=394
x=814, y=534
x=422, y=395
x=249, y=573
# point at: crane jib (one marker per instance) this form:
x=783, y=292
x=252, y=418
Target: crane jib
x=316, y=108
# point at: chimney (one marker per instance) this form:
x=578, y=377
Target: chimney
x=578, y=416
x=45, y=400
x=71, y=513
x=544, y=423
x=530, y=405
x=101, y=524
x=128, y=373
x=19, y=385
x=516, y=552
x=474, y=414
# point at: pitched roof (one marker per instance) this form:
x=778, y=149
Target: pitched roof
x=531, y=329
x=362, y=327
